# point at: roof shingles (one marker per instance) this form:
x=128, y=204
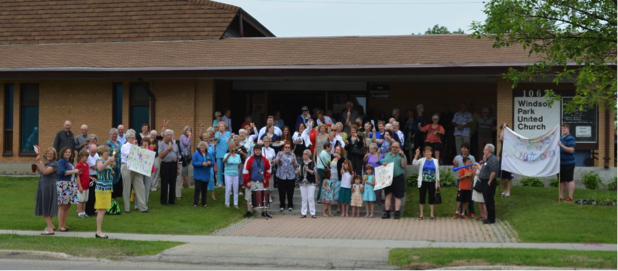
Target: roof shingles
x=22, y=22
x=377, y=50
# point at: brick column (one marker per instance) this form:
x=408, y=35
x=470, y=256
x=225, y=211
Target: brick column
x=504, y=106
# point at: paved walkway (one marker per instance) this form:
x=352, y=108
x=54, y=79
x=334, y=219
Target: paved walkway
x=440, y=230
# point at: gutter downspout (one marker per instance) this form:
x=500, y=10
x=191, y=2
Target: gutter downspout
x=153, y=102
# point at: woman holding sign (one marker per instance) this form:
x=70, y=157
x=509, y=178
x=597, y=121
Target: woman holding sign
x=398, y=186
x=130, y=177
x=428, y=178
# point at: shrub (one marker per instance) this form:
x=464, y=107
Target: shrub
x=412, y=180
x=554, y=182
x=447, y=178
x=592, y=180
x=612, y=185
x=532, y=182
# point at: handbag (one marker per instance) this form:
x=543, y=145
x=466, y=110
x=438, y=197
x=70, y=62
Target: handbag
x=438, y=196
x=478, y=186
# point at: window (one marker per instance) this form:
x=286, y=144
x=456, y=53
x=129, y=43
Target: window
x=117, y=105
x=29, y=118
x=139, y=105
x=8, y=120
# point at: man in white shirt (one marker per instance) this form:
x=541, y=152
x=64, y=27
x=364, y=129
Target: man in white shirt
x=122, y=137
x=323, y=119
x=269, y=121
x=92, y=171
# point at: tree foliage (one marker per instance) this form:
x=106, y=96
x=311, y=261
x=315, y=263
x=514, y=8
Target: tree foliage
x=437, y=29
x=574, y=40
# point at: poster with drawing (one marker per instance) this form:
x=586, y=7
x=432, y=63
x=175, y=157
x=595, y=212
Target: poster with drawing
x=534, y=157
x=140, y=160
x=384, y=176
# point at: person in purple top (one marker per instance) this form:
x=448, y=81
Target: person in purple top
x=373, y=158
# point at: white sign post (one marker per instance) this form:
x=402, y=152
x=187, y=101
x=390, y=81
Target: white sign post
x=533, y=117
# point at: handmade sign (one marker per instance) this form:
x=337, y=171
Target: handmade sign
x=140, y=160
x=384, y=176
x=535, y=157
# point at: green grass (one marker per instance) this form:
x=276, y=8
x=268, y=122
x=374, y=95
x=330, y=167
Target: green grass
x=536, y=217
x=430, y=258
x=18, y=200
x=85, y=247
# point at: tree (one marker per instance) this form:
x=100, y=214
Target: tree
x=574, y=40
x=437, y=29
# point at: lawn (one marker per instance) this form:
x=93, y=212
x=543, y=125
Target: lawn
x=431, y=258
x=536, y=217
x=18, y=198
x=85, y=247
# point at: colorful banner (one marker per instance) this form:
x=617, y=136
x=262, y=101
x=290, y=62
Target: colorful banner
x=534, y=157
x=140, y=160
x=384, y=176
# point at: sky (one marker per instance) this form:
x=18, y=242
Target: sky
x=316, y=18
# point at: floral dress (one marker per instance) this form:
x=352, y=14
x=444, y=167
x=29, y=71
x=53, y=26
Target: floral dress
x=357, y=197
x=67, y=190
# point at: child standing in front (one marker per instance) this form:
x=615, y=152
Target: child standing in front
x=464, y=195
x=357, y=195
x=345, y=192
x=327, y=193
x=83, y=183
x=369, y=196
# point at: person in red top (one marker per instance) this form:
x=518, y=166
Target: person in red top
x=256, y=175
x=83, y=183
x=464, y=195
x=434, y=132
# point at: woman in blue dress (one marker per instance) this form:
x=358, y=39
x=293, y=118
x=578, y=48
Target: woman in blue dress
x=221, y=138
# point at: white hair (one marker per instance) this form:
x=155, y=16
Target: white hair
x=242, y=131
x=83, y=126
x=491, y=148
x=168, y=131
x=395, y=123
x=202, y=143
x=387, y=126
x=113, y=130
x=130, y=133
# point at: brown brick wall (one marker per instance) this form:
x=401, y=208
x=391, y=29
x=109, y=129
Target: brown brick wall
x=90, y=102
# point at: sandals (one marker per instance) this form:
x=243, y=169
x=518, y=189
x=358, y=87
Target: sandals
x=433, y=218
x=421, y=218
x=47, y=233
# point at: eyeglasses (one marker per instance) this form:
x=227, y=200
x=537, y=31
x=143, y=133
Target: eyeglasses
x=286, y=147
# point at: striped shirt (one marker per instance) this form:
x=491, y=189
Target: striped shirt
x=565, y=157
x=104, y=179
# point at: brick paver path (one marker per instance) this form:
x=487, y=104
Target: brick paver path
x=440, y=230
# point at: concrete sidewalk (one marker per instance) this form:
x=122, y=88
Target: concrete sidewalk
x=322, y=243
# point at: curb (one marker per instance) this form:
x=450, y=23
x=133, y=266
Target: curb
x=44, y=255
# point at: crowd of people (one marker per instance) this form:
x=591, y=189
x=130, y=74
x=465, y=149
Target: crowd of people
x=338, y=159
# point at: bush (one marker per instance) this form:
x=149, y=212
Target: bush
x=447, y=178
x=592, y=180
x=532, y=182
x=412, y=180
x=612, y=185
x=554, y=182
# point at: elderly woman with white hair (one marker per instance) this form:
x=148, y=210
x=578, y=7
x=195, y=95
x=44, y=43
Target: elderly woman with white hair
x=307, y=184
x=132, y=178
x=417, y=134
x=203, y=162
x=217, y=119
x=185, y=151
x=246, y=139
x=114, y=151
